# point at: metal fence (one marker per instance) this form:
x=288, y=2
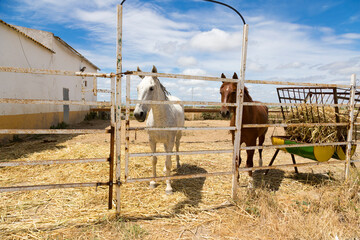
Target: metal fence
x=108, y=159
x=116, y=107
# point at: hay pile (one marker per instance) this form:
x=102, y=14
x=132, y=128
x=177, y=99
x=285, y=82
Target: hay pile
x=317, y=134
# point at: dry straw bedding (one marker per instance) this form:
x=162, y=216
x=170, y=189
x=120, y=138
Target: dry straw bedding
x=315, y=204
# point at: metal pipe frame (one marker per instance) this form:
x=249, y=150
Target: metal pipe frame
x=180, y=153
x=185, y=176
x=239, y=112
x=54, y=131
x=127, y=127
x=133, y=101
x=52, y=186
x=193, y=77
x=53, y=102
x=350, y=131
x=179, y=128
x=55, y=72
x=118, y=105
x=50, y=162
x=234, y=128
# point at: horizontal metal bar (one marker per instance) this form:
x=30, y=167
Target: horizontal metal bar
x=230, y=173
x=293, y=145
x=294, y=104
x=197, y=175
x=296, y=83
x=52, y=186
x=293, y=125
x=48, y=162
x=180, y=153
x=179, y=128
x=181, y=76
x=315, y=163
x=353, y=161
x=55, y=72
x=98, y=90
x=187, y=109
x=182, y=102
x=53, y=102
x=103, y=90
x=54, y=131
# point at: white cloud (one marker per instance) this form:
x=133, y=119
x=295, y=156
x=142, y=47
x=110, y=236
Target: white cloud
x=216, y=40
x=187, y=61
x=194, y=71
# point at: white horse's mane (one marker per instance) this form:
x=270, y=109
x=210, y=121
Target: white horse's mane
x=163, y=88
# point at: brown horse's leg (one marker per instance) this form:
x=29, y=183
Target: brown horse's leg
x=261, y=142
x=249, y=161
x=238, y=162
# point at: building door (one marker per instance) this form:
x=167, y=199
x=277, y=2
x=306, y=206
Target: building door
x=66, y=107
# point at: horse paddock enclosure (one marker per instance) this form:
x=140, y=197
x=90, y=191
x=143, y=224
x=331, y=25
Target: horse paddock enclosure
x=315, y=204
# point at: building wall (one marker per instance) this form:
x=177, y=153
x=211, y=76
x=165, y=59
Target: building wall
x=16, y=50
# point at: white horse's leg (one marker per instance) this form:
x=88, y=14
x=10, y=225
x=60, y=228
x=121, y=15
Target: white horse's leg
x=168, y=148
x=154, y=161
x=177, y=145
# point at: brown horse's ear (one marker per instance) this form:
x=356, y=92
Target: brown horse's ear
x=223, y=76
x=139, y=70
x=235, y=76
x=154, y=70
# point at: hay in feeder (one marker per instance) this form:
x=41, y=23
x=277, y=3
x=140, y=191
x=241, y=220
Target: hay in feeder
x=317, y=134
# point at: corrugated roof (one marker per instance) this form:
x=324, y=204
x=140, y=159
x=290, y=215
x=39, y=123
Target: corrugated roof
x=21, y=30
x=27, y=36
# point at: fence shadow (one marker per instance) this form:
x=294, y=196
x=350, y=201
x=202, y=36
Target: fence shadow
x=270, y=181
x=191, y=187
x=25, y=145
x=313, y=179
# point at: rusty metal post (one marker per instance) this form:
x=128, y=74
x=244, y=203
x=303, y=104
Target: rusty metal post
x=127, y=127
x=95, y=85
x=118, y=106
x=351, y=126
x=112, y=142
x=111, y=167
x=239, y=112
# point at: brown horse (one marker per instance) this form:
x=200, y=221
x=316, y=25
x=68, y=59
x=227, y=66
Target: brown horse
x=251, y=115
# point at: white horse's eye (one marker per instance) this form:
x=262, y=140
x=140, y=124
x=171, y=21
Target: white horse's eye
x=151, y=88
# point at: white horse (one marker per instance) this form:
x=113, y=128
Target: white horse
x=160, y=115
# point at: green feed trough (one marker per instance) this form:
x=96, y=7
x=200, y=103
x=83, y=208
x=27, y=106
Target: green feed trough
x=317, y=153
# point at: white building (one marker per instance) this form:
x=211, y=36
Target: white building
x=29, y=48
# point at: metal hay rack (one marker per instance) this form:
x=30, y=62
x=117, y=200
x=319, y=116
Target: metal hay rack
x=312, y=103
x=315, y=100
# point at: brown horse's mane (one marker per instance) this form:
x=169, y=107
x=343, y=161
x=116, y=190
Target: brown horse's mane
x=247, y=96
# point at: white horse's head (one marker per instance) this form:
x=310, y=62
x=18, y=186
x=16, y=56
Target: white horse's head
x=149, y=88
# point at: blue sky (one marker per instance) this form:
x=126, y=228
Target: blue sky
x=304, y=41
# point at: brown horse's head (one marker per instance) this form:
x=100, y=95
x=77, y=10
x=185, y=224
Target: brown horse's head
x=228, y=95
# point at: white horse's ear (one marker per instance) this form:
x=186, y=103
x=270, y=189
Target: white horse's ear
x=154, y=70
x=235, y=76
x=139, y=70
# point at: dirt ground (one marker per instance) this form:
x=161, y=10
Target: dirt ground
x=314, y=204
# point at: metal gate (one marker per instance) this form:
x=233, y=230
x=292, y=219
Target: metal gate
x=106, y=159
x=114, y=158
